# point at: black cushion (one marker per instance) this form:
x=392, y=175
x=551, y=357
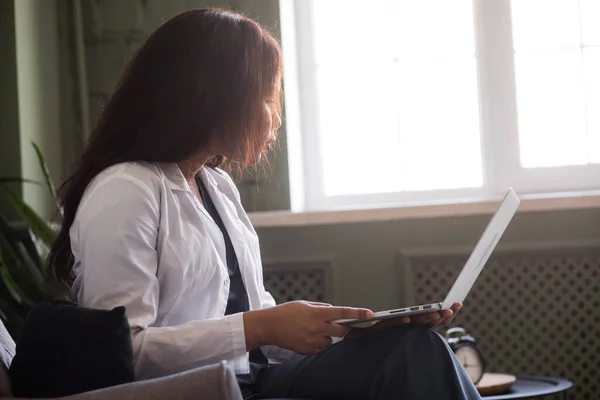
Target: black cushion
x=65, y=349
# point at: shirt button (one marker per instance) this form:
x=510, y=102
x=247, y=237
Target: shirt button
x=224, y=283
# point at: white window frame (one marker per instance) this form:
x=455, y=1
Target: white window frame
x=498, y=119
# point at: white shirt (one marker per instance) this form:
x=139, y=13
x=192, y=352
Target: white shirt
x=142, y=240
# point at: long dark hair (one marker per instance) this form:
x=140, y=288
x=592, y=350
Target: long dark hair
x=203, y=76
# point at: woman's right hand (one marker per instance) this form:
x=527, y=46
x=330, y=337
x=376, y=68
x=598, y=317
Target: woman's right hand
x=300, y=326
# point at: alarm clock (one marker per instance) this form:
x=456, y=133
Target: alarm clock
x=465, y=348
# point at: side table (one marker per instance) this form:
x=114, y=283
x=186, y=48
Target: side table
x=534, y=387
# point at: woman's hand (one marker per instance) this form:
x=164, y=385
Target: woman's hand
x=434, y=319
x=442, y=318
x=300, y=326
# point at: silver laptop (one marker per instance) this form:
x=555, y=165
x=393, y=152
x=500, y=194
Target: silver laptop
x=469, y=273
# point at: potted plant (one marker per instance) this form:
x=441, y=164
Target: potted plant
x=24, y=245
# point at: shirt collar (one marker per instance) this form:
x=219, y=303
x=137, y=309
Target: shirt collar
x=176, y=180
x=174, y=177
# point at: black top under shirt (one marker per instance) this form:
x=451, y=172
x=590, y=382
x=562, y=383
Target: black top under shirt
x=238, y=297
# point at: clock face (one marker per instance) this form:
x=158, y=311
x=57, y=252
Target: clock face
x=471, y=361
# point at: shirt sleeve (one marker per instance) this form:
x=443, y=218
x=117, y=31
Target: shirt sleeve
x=115, y=236
x=267, y=299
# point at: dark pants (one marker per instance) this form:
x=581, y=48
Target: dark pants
x=401, y=363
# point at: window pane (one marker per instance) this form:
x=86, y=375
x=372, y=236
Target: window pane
x=439, y=124
x=426, y=27
x=590, y=25
x=358, y=129
x=408, y=62
x=592, y=76
x=545, y=24
x=352, y=30
x=551, y=108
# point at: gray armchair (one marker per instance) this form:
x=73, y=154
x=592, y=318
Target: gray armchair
x=212, y=382
x=215, y=382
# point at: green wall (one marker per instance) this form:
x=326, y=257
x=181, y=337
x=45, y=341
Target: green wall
x=10, y=159
x=30, y=96
x=38, y=95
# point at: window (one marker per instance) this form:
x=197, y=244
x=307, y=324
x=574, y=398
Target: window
x=390, y=102
x=557, y=67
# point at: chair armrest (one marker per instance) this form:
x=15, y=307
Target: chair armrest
x=216, y=382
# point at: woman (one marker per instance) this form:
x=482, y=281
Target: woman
x=151, y=223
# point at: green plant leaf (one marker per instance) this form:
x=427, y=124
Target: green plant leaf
x=22, y=273
x=47, y=178
x=18, y=180
x=16, y=275
x=11, y=287
x=18, y=307
x=40, y=228
x=23, y=245
x=11, y=313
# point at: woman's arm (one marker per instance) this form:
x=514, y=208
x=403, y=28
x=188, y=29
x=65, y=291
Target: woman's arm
x=115, y=239
x=274, y=352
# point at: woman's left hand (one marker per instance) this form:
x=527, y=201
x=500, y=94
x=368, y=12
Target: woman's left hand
x=433, y=319
x=442, y=318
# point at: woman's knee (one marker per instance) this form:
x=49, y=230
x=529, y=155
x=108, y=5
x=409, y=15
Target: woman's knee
x=411, y=338
x=419, y=355
x=410, y=331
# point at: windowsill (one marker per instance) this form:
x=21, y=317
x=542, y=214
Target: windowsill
x=529, y=203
